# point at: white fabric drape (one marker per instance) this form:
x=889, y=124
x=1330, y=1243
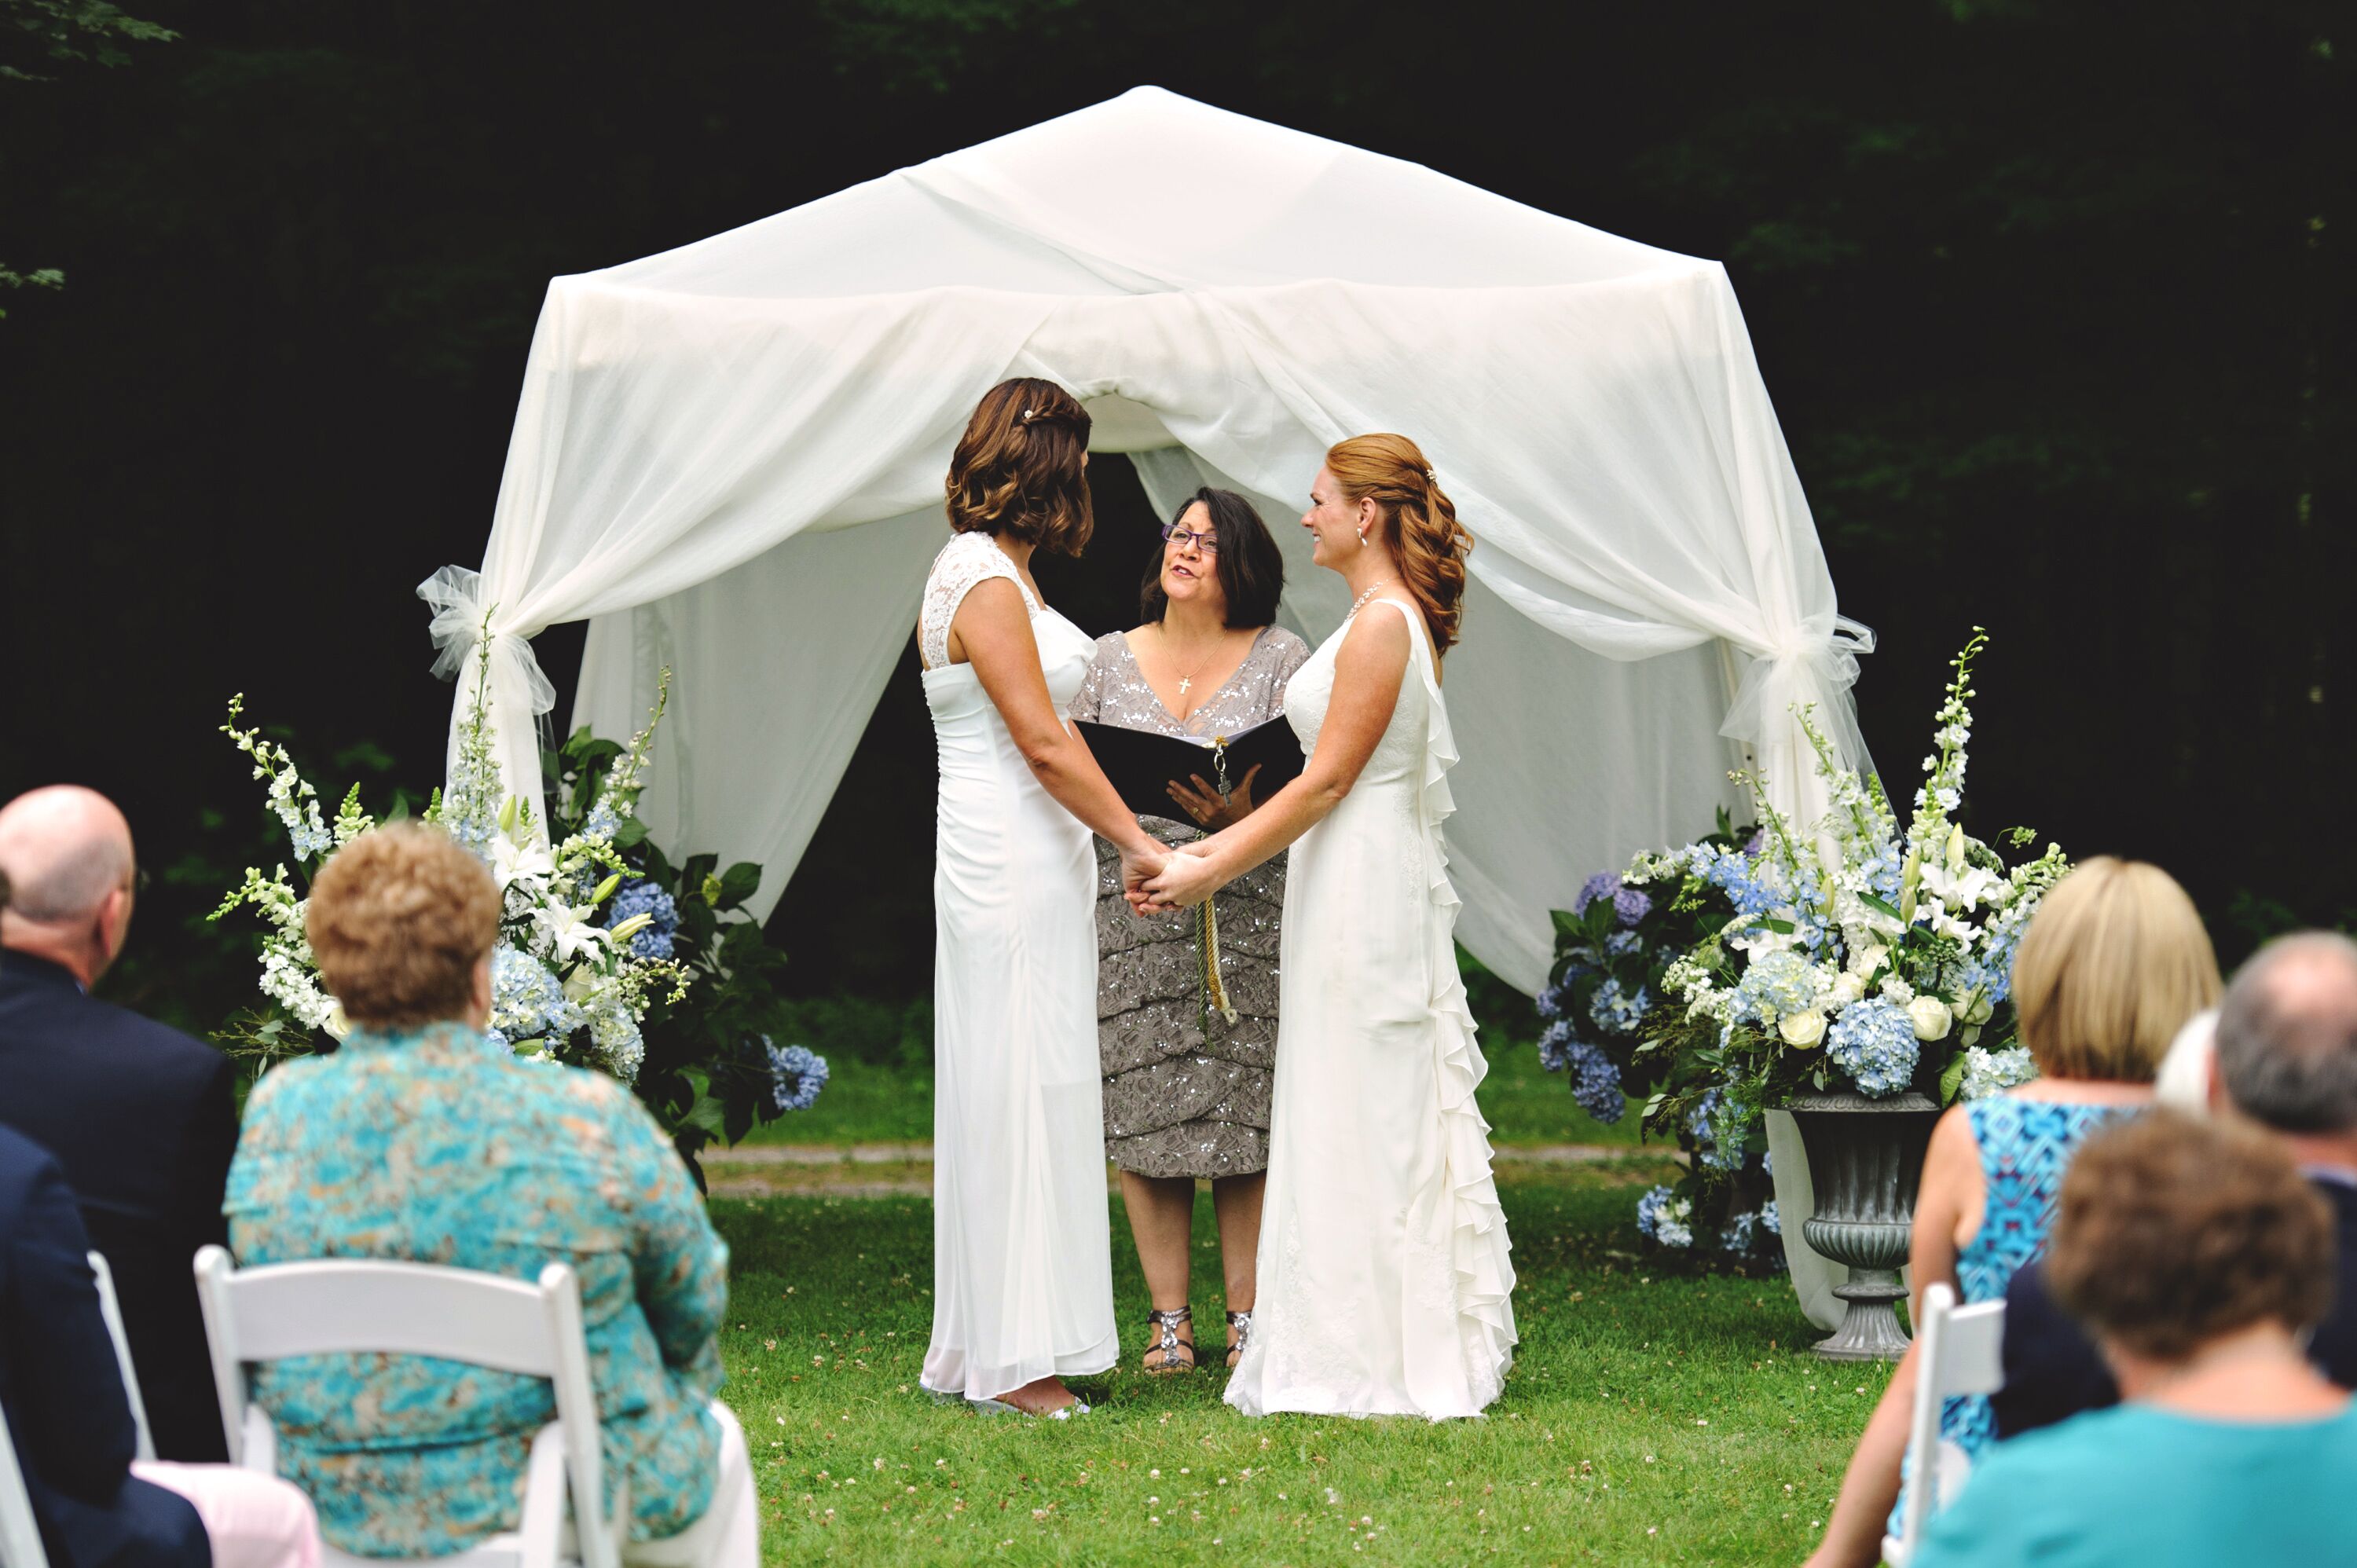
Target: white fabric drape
x=729, y=458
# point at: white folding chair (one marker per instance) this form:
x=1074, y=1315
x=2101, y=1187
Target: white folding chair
x=341, y=1306
x=1958, y=1350
x=108, y=1310
x=20, y=1532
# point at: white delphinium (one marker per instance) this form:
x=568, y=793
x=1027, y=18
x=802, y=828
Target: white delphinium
x=292, y=800
x=289, y=974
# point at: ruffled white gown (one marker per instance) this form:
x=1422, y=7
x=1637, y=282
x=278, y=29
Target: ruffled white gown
x=1383, y=1273
x=1022, y=1242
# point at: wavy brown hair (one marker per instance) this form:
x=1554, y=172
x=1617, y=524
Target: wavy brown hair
x=1414, y=516
x=1020, y=468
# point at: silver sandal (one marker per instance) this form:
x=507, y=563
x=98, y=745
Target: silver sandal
x=1241, y=1323
x=1170, y=1343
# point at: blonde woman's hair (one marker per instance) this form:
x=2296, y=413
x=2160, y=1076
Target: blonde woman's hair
x=2113, y=964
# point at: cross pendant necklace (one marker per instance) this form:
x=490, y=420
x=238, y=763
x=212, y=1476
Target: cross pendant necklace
x=1187, y=679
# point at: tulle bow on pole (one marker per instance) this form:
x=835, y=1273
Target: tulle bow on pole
x=1815, y=666
x=456, y=595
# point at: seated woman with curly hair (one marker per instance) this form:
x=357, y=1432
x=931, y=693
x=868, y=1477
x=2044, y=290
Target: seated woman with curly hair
x=424, y=1139
x=2199, y=1257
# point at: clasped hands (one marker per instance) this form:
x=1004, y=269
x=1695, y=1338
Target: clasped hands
x=1168, y=879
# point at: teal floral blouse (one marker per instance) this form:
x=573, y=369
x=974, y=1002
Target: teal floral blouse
x=439, y=1146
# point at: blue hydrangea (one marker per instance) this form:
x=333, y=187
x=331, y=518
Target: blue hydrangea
x=1874, y=1041
x=644, y=898
x=1595, y=1082
x=1769, y=1219
x=1621, y=944
x=1751, y=887
x=496, y=1038
x=1616, y=1010
x=1665, y=1218
x=1741, y=1233
x=1768, y=1165
x=1551, y=999
x=1990, y=1072
x=1989, y=975
x=621, y=1048
x=1603, y=884
x=1629, y=906
x=1555, y=1046
x=1718, y=1124
x=1774, y=984
x=528, y=1000
x=796, y=1075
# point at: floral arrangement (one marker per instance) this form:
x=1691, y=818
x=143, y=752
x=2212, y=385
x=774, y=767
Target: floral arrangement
x=607, y=956
x=1613, y=949
x=1849, y=954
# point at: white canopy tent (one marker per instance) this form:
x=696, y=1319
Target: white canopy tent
x=728, y=459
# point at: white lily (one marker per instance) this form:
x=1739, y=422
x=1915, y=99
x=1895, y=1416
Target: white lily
x=527, y=863
x=570, y=929
x=1959, y=889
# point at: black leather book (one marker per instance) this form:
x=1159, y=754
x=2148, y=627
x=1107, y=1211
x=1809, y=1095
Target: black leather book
x=1143, y=765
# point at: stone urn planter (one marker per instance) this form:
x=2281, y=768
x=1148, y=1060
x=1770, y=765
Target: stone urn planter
x=1866, y=1158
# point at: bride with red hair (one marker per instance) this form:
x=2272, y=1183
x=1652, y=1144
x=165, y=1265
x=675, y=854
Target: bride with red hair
x=1385, y=1283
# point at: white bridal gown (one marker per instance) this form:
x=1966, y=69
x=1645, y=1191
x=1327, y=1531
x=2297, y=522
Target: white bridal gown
x=1022, y=1246
x=1383, y=1276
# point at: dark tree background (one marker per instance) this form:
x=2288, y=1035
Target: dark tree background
x=2051, y=297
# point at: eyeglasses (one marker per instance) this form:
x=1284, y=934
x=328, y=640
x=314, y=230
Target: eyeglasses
x=1207, y=542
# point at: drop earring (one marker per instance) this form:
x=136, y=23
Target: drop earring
x=1363, y=539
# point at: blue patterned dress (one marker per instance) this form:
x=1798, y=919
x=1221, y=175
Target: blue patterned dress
x=439, y=1146
x=2025, y=1146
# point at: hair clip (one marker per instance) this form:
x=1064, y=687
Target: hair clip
x=1028, y=416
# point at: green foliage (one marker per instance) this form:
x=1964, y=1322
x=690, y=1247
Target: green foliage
x=70, y=33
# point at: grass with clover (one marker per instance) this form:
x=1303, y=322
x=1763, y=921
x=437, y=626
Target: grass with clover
x=1649, y=1418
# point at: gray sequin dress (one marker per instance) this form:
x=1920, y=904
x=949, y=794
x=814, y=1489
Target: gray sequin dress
x=1185, y=1092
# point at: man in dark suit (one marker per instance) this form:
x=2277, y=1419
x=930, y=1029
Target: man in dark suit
x=142, y=1118
x=62, y=1392
x=2284, y=1055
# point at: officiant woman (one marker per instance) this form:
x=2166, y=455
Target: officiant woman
x=1187, y=1048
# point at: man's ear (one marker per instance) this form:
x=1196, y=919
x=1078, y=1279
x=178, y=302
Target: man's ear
x=114, y=925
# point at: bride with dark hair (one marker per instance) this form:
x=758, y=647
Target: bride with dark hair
x=1022, y=1245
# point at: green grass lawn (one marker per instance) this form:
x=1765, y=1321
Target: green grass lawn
x=1649, y=1418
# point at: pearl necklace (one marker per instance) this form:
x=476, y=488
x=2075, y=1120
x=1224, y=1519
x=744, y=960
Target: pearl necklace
x=1357, y=603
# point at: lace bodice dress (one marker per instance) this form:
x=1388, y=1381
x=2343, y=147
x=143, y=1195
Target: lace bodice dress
x=1385, y=1285
x=1186, y=1092
x=1022, y=1242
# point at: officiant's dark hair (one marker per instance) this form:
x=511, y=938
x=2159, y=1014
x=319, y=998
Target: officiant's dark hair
x=1251, y=569
x=1021, y=467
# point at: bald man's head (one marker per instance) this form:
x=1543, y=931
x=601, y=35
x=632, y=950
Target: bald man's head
x=2286, y=1038
x=63, y=850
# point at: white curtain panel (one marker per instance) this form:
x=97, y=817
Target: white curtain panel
x=728, y=457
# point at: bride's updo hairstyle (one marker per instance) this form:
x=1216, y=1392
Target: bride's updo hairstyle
x=1413, y=517
x=1020, y=468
